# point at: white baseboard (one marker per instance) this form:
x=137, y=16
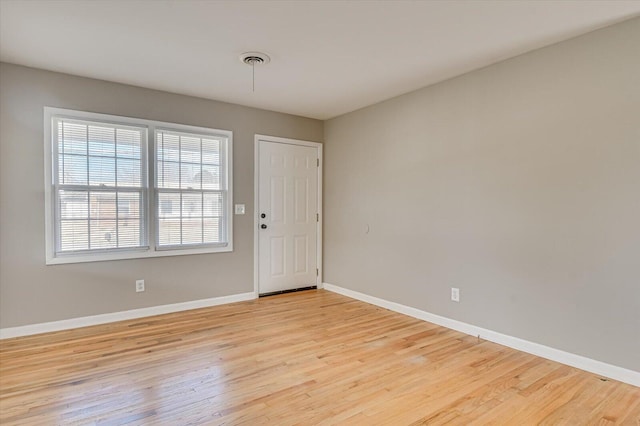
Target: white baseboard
x=597, y=367
x=27, y=330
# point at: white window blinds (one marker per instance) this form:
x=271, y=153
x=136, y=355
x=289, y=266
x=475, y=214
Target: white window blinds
x=191, y=189
x=99, y=179
x=125, y=188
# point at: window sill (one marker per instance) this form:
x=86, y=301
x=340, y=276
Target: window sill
x=135, y=254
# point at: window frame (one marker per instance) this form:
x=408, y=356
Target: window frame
x=149, y=189
x=224, y=178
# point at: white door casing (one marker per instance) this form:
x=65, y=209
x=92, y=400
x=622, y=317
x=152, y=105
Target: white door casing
x=288, y=194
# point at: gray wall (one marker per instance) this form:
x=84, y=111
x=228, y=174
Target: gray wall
x=518, y=183
x=31, y=292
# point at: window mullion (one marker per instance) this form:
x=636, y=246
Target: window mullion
x=180, y=183
x=149, y=200
x=115, y=179
x=88, y=195
x=201, y=197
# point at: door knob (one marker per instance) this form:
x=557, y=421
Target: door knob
x=263, y=226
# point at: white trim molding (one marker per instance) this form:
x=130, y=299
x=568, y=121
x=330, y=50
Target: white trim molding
x=47, y=327
x=583, y=363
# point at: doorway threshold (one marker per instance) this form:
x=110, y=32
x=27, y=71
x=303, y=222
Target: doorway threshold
x=293, y=290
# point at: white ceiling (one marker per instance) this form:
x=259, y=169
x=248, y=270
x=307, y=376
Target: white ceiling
x=328, y=57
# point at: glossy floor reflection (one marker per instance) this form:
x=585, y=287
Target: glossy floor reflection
x=311, y=358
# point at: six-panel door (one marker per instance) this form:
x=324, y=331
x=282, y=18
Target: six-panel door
x=288, y=200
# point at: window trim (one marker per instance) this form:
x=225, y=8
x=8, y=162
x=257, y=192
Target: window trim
x=151, y=203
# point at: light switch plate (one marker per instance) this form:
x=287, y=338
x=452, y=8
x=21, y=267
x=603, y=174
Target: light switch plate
x=239, y=208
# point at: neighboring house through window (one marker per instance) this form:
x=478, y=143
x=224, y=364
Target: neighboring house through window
x=100, y=205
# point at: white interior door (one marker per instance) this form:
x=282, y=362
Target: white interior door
x=287, y=216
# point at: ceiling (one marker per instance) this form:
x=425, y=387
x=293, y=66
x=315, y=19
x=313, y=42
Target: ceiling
x=328, y=57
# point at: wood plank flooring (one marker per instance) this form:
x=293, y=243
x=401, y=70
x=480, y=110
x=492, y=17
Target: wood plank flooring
x=309, y=358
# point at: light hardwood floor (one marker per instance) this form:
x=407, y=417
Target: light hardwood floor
x=310, y=358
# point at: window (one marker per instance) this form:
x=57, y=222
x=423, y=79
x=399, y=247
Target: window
x=100, y=205
x=189, y=177
x=98, y=167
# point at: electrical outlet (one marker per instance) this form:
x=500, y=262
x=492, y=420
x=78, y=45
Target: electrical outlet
x=455, y=294
x=139, y=286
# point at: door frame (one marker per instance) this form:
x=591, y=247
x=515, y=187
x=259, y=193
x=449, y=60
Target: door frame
x=256, y=201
